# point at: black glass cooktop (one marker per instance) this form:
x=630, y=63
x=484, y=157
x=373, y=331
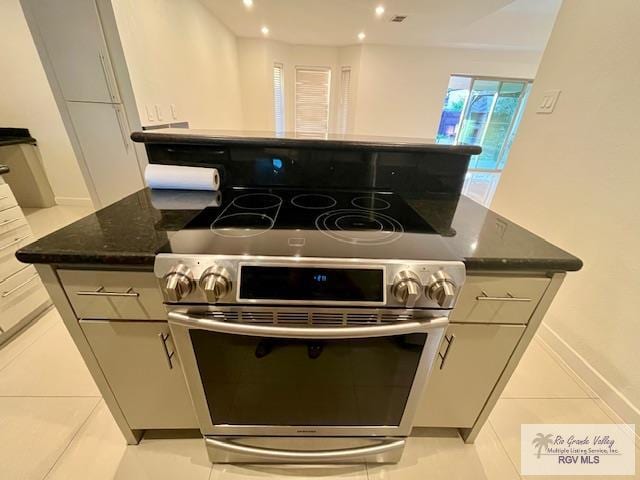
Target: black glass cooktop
x=310, y=223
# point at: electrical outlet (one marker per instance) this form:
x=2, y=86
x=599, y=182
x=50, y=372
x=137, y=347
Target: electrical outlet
x=150, y=113
x=159, y=112
x=548, y=102
x=174, y=111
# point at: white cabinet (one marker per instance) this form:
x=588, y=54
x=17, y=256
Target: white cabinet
x=22, y=295
x=77, y=50
x=459, y=388
x=498, y=299
x=139, y=363
x=103, y=135
x=113, y=294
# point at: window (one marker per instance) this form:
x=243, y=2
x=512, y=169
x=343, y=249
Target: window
x=312, y=100
x=345, y=99
x=278, y=97
x=487, y=112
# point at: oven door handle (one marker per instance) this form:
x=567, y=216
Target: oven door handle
x=387, y=330
x=321, y=456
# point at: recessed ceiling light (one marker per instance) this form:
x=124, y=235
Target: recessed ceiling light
x=248, y=3
x=265, y=30
x=379, y=10
x=361, y=36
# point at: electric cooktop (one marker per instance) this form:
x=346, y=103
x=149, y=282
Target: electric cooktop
x=304, y=223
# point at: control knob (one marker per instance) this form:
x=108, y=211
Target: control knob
x=216, y=283
x=441, y=289
x=178, y=283
x=407, y=288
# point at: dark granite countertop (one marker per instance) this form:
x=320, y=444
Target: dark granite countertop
x=131, y=231
x=3, y=169
x=291, y=139
x=15, y=136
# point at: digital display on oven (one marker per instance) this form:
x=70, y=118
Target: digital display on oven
x=312, y=284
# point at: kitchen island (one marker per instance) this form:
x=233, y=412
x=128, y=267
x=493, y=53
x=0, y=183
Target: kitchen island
x=99, y=272
x=115, y=248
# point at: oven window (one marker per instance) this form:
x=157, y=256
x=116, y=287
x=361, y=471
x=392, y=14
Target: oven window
x=274, y=381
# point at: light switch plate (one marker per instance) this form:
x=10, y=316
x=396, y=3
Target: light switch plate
x=548, y=101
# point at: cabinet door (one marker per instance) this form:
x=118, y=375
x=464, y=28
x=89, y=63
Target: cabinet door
x=150, y=392
x=108, y=152
x=72, y=34
x=457, y=392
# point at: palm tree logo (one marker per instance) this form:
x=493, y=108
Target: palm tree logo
x=542, y=441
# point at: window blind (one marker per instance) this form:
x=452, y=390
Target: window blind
x=278, y=97
x=312, y=100
x=345, y=99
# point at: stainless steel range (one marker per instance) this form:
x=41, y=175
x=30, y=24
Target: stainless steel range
x=307, y=322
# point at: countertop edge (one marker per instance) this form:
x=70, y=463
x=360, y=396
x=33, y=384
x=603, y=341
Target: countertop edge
x=151, y=137
x=138, y=260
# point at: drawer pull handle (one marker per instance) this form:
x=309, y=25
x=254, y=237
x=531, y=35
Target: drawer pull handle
x=444, y=356
x=14, y=242
x=7, y=222
x=100, y=292
x=163, y=339
x=18, y=287
x=508, y=298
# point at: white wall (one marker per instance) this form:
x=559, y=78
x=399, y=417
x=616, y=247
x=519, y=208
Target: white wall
x=26, y=101
x=257, y=58
x=395, y=90
x=401, y=89
x=573, y=176
x=179, y=53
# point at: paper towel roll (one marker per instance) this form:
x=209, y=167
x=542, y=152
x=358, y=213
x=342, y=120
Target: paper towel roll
x=184, y=199
x=176, y=177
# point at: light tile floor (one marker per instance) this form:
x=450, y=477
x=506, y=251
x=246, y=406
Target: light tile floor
x=54, y=425
x=46, y=220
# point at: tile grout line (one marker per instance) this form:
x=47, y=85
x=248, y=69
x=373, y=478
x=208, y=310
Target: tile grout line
x=504, y=450
x=24, y=330
x=75, y=434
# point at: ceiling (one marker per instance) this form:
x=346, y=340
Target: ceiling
x=493, y=24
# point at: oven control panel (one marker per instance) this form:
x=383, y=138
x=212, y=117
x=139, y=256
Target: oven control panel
x=240, y=280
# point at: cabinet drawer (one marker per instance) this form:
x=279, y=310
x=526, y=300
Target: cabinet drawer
x=20, y=295
x=9, y=243
x=113, y=294
x=499, y=299
x=7, y=198
x=139, y=362
x=11, y=219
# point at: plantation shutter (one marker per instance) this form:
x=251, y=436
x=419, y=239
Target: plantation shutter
x=312, y=100
x=278, y=97
x=345, y=99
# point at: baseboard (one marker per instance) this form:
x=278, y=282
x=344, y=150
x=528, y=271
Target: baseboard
x=609, y=394
x=74, y=201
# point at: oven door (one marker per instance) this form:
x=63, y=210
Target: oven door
x=269, y=379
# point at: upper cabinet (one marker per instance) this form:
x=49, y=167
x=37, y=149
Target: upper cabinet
x=75, y=45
